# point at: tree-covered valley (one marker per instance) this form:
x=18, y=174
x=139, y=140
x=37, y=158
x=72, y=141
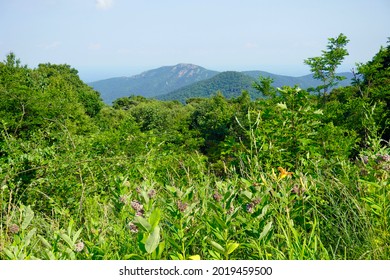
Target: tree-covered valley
x=275, y=173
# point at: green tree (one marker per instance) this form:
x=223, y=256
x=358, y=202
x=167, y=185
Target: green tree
x=324, y=67
x=264, y=85
x=212, y=118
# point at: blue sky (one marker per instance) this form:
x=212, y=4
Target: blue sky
x=108, y=38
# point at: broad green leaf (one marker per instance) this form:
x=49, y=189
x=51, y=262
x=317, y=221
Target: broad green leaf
x=215, y=255
x=76, y=235
x=153, y=240
x=231, y=247
x=264, y=211
x=9, y=254
x=266, y=229
x=28, y=216
x=28, y=237
x=174, y=244
x=67, y=239
x=70, y=226
x=246, y=182
x=142, y=223
x=247, y=194
x=217, y=247
x=170, y=188
x=155, y=217
x=160, y=249
x=145, y=196
x=44, y=242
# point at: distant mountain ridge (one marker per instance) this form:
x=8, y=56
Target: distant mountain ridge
x=185, y=80
x=304, y=82
x=153, y=82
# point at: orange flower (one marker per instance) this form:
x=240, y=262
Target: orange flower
x=283, y=173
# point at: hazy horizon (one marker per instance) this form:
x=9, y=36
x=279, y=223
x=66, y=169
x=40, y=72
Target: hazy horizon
x=116, y=73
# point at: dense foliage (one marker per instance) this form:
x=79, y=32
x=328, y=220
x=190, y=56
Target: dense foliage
x=290, y=176
x=230, y=83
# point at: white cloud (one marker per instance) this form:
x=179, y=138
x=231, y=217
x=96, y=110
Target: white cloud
x=103, y=4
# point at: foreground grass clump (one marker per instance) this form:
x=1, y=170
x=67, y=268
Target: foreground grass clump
x=280, y=214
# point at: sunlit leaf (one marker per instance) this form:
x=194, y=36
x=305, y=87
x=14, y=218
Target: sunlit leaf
x=28, y=216
x=266, y=229
x=194, y=257
x=231, y=247
x=142, y=223
x=153, y=240
x=217, y=247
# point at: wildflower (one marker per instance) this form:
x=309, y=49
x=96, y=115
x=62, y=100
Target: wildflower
x=152, y=193
x=386, y=167
x=382, y=158
x=217, y=196
x=79, y=246
x=123, y=199
x=136, y=205
x=256, y=201
x=132, y=227
x=182, y=206
x=140, y=213
x=365, y=159
x=231, y=210
x=13, y=229
x=250, y=208
x=138, y=189
x=283, y=173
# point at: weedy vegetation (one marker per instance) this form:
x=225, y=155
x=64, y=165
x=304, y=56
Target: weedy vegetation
x=294, y=175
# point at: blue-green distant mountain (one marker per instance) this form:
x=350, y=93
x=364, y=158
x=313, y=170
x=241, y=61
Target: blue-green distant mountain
x=153, y=82
x=231, y=84
x=183, y=81
x=303, y=82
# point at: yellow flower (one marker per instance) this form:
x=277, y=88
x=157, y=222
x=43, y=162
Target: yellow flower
x=283, y=173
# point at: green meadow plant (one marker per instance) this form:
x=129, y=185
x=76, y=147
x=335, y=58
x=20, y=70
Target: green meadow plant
x=288, y=176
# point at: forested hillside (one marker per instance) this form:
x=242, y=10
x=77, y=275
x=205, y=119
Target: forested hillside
x=153, y=82
x=229, y=83
x=183, y=81
x=291, y=175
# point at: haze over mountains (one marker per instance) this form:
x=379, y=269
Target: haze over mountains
x=183, y=81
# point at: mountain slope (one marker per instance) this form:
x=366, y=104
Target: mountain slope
x=183, y=81
x=153, y=82
x=230, y=83
x=304, y=82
